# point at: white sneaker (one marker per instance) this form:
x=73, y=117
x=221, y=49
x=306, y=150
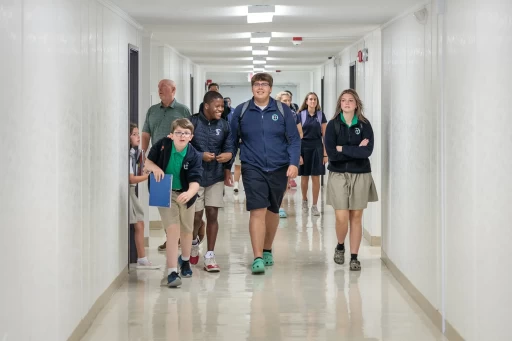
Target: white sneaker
x=236, y=187
x=147, y=265
x=210, y=265
x=315, y=211
x=305, y=205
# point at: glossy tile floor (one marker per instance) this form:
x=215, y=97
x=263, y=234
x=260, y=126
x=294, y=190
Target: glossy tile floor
x=304, y=296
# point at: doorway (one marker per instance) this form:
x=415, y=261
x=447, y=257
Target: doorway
x=353, y=75
x=191, y=92
x=133, y=117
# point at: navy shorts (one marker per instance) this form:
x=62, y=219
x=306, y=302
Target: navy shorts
x=264, y=189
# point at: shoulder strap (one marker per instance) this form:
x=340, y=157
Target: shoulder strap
x=319, y=117
x=244, y=109
x=303, y=116
x=337, y=126
x=280, y=107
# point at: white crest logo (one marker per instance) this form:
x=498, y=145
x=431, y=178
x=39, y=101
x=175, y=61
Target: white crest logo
x=185, y=166
x=358, y=131
x=217, y=131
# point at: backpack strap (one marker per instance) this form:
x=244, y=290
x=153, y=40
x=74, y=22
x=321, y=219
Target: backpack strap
x=337, y=127
x=319, y=117
x=280, y=108
x=303, y=116
x=244, y=109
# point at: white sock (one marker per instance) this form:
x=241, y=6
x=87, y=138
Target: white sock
x=143, y=260
x=209, y=254
x=195, y=242
x=185, y=259
x=171, y=270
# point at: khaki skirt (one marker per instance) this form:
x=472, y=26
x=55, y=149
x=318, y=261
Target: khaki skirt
x=350, y=191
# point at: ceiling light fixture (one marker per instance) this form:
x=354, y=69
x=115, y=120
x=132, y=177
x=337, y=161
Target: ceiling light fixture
x=260, y=37
x=260, y=13
x=260, y=51
x=259, y=61
x=258, y=69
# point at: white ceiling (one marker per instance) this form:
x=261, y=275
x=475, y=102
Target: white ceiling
x=215, y=34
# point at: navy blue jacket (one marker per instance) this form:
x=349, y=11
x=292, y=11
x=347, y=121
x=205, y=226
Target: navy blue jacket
x=212, y=137
x=191, y=169
x=352, y=158
x=264, y=136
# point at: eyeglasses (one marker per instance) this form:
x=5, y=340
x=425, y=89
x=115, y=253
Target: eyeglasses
x=181, y=133
x=261, y=85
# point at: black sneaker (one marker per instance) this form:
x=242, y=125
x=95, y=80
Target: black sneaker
x=173, y=280
x=186, y=271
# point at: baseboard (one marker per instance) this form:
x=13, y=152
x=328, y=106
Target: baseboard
x=100, y=303
x=432, y=313
x=146, y=241
x=155, y=225
x=373, y=240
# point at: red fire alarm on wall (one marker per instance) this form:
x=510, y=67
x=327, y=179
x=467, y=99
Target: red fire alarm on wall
x=362, y=55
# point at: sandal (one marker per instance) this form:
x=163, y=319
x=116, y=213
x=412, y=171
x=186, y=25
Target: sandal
x=258, y=266
x=282, y=213
x=355, y=265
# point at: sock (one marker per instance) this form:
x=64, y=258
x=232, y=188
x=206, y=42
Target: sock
x=185, y=259
x=258, y=258
x=195, y=241
x=171, y=270
x=209, y=254
x=269, y=251
x=340, y=247
x=142, y=260
x=353, y=256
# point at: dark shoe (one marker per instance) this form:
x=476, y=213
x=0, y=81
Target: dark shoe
x=186, y=270
x=173, y=280
x=339, y=256
x=162, y=247
x=355, y=265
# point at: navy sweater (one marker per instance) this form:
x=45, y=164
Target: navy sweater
x=269, y=140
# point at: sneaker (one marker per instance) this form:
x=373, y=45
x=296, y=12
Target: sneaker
x=236, y=187
x=194, y=254
x=282, y=213
x=315, y=211
x=185, y=269
x=147, y=265
x=268, y=258
x=355, y=265
x=305, y=205
x=162, y=247
x=339, y=256
x=211, y=265
x=173, y=280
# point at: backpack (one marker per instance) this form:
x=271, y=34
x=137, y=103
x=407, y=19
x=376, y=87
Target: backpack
x=244, y=109
x=303, y=116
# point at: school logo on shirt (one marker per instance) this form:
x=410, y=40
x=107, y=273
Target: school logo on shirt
x=358, y=131
x=185, y=166
x=275, y=117
x=217, y=131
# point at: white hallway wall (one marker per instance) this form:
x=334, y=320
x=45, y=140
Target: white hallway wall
x=64, y=188
x=446, y=220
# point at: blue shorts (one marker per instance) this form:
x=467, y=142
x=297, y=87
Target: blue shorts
x=264, y=189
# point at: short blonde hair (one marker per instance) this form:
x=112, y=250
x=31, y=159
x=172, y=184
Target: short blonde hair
x=183, y=123
x=281, y=94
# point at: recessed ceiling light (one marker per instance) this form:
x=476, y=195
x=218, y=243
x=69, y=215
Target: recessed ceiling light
x=259, y=60
x=260, y=13
x=260, y=37
x=260, y=51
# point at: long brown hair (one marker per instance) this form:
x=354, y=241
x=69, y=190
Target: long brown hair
x=359, y=106
x=304, y=105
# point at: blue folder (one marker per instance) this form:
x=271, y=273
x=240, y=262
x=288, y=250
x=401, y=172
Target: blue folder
x=160, y=192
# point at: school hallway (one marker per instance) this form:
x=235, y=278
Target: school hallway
x=304, y=296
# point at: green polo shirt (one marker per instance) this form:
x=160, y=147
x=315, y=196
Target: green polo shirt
x=354, y=120
x=174, y=166
x=159, y=119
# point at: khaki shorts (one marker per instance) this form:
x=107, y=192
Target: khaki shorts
x=212, y=196
x=178, y=214
x=135, y=209
x=349, y=191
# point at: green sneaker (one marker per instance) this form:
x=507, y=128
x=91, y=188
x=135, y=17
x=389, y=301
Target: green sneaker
x=258, y=266
x=268, y=258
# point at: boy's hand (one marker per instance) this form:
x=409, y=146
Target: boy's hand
x=228, y=179
x=159, y=174
x=208, y=157
x=184, y=197
x=339, y=148
x=224, y=157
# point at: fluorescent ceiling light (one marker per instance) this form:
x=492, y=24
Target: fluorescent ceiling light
x=260, y=37
x=260, y=51
x=260, y=13
x=259, y=60
x=258, y=69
